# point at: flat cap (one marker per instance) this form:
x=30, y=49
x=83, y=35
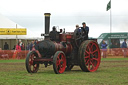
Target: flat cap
x=83, y=23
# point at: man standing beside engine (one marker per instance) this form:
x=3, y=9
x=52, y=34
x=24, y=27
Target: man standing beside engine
x=85, y=30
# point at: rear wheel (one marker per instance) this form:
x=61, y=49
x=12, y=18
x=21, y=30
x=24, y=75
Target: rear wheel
x=59, y=62
x=89, y=56
x=31, y=66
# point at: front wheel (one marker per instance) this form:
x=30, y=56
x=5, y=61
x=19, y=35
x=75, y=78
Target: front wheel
x=31, y=66
x=59, y=62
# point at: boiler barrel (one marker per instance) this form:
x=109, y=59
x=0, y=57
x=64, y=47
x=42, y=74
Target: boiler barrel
x=48, y=48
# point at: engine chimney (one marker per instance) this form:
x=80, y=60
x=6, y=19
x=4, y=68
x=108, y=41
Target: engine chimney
x=47, y=25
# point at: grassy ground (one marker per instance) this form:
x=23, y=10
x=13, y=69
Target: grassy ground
x=112, y=71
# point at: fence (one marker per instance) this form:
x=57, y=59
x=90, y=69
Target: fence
x=13, y=54
x=116, y=53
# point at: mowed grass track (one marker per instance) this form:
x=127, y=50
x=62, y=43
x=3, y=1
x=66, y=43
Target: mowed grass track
x=112, y=71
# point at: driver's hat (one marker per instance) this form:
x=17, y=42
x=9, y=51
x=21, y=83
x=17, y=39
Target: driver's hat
x=83, y=23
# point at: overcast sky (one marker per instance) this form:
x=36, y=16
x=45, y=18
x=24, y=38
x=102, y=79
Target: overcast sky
x=67, y=13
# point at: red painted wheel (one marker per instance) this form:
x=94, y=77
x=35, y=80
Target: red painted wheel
x=89, y=56
x=59, y=62
x=30, y=65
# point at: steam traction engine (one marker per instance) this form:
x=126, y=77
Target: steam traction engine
x=64, y=50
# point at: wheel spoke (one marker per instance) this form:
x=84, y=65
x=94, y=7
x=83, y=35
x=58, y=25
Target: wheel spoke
x=62, y=56
x=87, y=57
x=86, y=52
x=57, y=64
x=58, y=61
x=31, y=59
x=32, y=56
x=34, y=67
x=87, y=61
x=30, y=62
x=62, y=60
x=60, y=70
x=92, y=65
x=92, y=45
x=95, y=59
x=95, y=51
x=94, y=54
x=89, y=49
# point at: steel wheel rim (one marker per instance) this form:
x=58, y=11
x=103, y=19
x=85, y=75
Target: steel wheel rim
x=33, y=67
x=61, y=63
x=92, y=56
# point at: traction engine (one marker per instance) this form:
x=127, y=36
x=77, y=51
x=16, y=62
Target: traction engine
x=63, y=51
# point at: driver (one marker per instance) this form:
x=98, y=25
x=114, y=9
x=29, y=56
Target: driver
x=54, y=34
x=85, y=30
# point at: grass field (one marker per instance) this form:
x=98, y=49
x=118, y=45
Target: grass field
x=112, y=71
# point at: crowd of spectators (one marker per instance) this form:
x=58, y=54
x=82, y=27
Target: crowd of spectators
x=21, y=46
x=123, y=46
x=29, y=46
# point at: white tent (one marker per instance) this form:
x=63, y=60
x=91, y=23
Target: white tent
x=7, y=23
x=12, y=39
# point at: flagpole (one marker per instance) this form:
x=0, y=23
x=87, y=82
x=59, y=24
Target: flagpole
x=110, y=18
x=110, y=23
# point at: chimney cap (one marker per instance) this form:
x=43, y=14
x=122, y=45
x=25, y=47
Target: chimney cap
x=47, y=14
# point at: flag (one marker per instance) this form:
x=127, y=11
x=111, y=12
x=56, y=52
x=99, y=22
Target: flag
x=108, y=5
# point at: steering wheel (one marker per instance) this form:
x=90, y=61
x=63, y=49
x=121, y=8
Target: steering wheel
x=78, y=37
